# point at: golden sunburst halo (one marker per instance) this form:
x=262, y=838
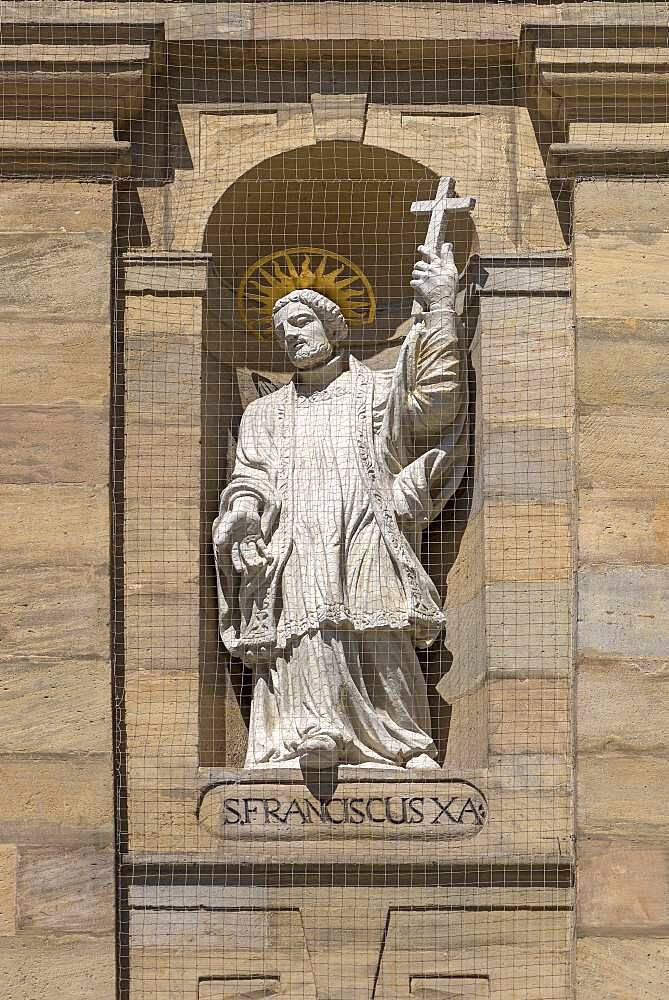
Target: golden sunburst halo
x=284, y=271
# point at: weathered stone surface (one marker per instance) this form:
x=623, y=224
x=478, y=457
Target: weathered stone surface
x=163, y=630
x=529, y=716
x=31, y=279
x=55, y=705
x=52, y=800
x=467, y=576
x=622, y=447
x=530, y=463
x=617, y=968
x=623, y=884
x=55, y=207
x=623, y=794
x=527, y=541
x=618, y=370
x=622, y=206
x=54, y=526
x=66, y=891
x=623, y=328
x=622, y=704
x=51, y=360
x=618, y=275
x=7, y=889
x=623, y=611
x=70, y=967
x=162, y=714
x=66, y=443
x=421, y=943
x=623, y=526
x=468, y=726
x=528, y=628
x=155, y=320
x=54, y=611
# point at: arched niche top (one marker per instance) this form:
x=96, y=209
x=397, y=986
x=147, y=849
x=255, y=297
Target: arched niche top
x=342, y=196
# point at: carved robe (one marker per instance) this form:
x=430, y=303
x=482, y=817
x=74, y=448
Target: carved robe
x=346, y=478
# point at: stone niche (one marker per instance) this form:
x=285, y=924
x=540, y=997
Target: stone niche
x=448, y=883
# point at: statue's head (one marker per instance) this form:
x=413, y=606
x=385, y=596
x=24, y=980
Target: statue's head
x=309, y=326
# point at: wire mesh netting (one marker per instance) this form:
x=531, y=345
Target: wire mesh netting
x=343, y=344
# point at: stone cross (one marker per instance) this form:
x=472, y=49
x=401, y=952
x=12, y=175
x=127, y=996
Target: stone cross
x=439, y=209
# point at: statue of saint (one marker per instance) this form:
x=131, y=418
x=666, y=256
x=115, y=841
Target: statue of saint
x=321, y=588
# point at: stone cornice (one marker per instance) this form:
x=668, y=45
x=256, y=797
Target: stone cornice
x=56, y=67
x=591, y=89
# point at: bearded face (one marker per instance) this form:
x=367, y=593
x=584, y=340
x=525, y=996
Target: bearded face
x=303, y=334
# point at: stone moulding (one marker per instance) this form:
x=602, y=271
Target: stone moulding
x=581, y=78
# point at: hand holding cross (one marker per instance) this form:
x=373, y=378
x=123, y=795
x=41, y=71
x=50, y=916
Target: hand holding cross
x=439, y=209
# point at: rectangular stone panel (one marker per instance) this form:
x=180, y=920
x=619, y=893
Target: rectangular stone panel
x=55, y=207
x=51, y=360
x=37, y=812
x=528, y=628
x=527, y=541
x=54, y=705
x=623, y=794
x=528, y=463
x=618, y=275
x=529, y=716
x=66, y=891
x=63, y=443
x=618, y=366
x=78, y=525
x=624, y=526
x=617, y=968
x=70, y=967
x=620, y=447
x=623, y=611
x=34, y=263
x=622, y=704
x=624, y=886
x=622, y=206
x=55, y=611
x=7, y=889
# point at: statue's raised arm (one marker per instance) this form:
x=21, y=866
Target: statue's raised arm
x=425, y=416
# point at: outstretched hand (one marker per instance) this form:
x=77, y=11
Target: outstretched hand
x=435, y=279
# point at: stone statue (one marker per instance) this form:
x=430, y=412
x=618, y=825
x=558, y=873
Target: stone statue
x=321, y=588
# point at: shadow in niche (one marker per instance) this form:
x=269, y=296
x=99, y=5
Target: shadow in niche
x=354, y=200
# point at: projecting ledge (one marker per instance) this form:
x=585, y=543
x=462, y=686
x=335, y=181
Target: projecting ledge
x=182, y=272
x=570, y=160
x=79, y=150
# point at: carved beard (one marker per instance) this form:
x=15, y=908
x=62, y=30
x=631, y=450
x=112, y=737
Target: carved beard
x=313, y=354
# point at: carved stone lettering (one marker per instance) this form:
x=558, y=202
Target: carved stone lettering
x=354, y=809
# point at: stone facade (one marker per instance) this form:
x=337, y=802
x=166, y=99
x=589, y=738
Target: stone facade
x=150, y=153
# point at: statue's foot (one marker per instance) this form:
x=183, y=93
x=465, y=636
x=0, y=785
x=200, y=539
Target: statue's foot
x=319, y=753
x=423, y=762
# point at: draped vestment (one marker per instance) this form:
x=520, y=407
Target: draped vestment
x=346, y=477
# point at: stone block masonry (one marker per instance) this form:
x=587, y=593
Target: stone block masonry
x=621, y=241
x=57, y=804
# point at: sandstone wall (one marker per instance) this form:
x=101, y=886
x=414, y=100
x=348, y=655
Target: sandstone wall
x=621, y=250
x=56, y=795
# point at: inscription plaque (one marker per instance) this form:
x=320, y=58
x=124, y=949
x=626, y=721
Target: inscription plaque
x=428, y=809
